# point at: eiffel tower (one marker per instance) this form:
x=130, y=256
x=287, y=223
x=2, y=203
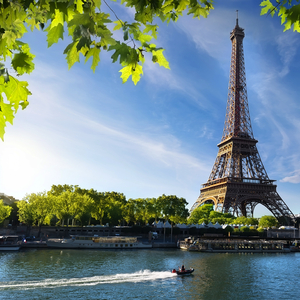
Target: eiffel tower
x=238, y=180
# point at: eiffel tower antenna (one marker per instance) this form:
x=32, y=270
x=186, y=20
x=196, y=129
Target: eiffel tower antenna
x=238, y=180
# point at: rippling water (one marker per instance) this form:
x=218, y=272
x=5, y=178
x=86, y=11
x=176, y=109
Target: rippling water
x=145, y=274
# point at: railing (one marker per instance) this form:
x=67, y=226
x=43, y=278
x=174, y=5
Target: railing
x=238, y=180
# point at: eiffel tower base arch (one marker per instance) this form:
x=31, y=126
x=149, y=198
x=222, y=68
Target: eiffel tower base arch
x=240, y=199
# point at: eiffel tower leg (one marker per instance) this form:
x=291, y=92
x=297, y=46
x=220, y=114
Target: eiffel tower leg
x=244, y=209
x=279, y=208
x=253, y=205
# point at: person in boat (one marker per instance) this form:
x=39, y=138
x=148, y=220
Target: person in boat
x=182, y=268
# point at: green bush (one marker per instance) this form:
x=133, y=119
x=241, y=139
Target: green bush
x=244, y=229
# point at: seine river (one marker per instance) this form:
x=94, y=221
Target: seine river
x=145, y=274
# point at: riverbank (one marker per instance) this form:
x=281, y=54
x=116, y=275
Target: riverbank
x=236, y=245
x=202, y=243
x=209, y=245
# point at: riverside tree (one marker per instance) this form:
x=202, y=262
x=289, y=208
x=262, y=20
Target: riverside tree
x=129, y=212
x=99, y=206
x=4, y=211
x=173, y=208
x=72, y=204
x=246, y=221
x=38, y=208
x=91, y=25
x=267, y=221
x=27, y=214
x=143, y=210
x=115, y=207
x=206, y=214
x=201, y=214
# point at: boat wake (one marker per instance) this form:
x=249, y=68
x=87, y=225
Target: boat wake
x=140, y=276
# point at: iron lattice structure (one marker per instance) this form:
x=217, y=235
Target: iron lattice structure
x=239, y=181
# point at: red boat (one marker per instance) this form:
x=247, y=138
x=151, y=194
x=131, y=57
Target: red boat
x=183, y=271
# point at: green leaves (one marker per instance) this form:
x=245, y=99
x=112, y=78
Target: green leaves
x=268, y=6
x=135, y=70
x=95, y=53
x=288, y=12
x=122, y=51
x=200, y=9
x=16, y=94
x=87, y=25
x=72, y=54
x=5, y=211
x=22, y=62
x=159, y=58
x=54, y=34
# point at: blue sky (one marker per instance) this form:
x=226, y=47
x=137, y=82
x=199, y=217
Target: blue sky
x=159, y=137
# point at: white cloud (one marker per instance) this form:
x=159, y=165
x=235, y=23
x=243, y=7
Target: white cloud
x=209, y=35
x=293, y=178
x=287, y=44
x=167, y=79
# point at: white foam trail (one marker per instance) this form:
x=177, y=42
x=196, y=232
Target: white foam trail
x=140, y=276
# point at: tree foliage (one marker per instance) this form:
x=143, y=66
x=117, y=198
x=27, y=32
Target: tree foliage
x=201, y=214
x=71, y=203
x=287, y=10
x=114, y=209
x=4, y=211
x=246, y=221
x=138, y=211
x=267, y=221
x=206, y=214
x=173, y=208
x=39, y=208
x=93, y=27
x=27, y=215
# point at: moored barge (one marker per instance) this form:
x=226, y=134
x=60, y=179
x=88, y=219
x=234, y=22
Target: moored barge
x=98, y=242
x=234, y=246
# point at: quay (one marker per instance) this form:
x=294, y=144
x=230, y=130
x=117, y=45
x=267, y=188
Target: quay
x=228, y=245
x=211, y=245
x=271, y=241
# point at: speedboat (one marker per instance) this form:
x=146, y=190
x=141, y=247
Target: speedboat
x=183, y=272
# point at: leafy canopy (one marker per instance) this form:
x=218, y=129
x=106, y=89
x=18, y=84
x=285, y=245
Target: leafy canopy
x=93, y=27
x=267, y=221
x=4, y=211
x=287, y=10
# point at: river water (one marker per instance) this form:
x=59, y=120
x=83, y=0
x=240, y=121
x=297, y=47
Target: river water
x=145, y=274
